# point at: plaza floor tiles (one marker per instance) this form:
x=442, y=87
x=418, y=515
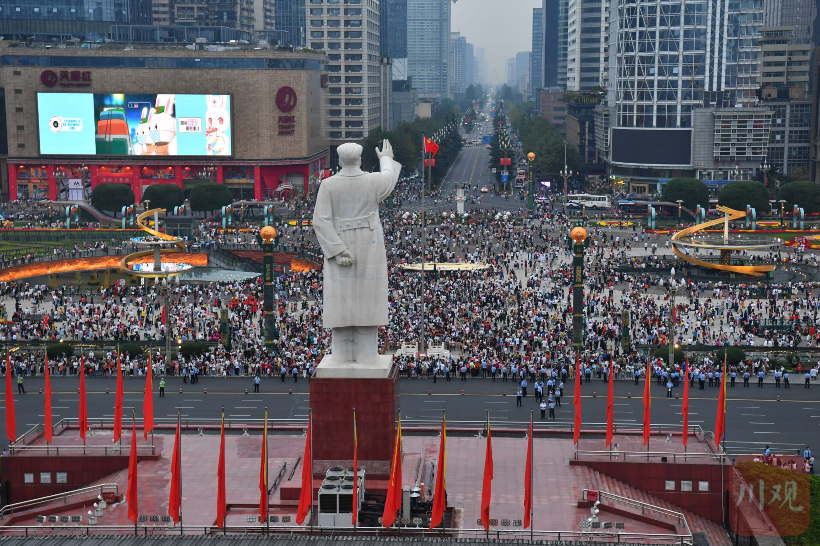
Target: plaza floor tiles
x=557, y=485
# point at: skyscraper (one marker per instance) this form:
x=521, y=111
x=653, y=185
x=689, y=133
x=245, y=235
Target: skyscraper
x=585, y=25
x=537, y=59
x=393, y=28
x=469, y=62
x=563, y=18
x=800, y=15
x=291, y=18
x=549, y=10
x=428, y=47
x=355, y=73
x=458, y=63
x=481, y=75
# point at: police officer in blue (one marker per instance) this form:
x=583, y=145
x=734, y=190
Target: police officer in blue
x=746, y=376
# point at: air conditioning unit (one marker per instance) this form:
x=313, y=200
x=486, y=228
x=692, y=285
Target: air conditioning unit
x=336, y=498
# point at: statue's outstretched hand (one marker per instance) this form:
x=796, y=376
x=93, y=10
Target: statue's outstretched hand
x=345, y=258
x=386, y=151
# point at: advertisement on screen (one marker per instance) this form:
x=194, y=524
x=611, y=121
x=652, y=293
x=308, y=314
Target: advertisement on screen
x=134, y=124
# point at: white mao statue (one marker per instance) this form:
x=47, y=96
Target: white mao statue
x=347, y=225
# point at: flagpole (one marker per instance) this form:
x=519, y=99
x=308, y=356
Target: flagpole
x=355, y=473
x=179, y=466
x=267, y=474
x=310, y=428
x=422, y=349
x=485, y=464
x=532, y=444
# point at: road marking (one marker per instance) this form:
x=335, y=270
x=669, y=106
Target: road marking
x=232, y=416
x=245, y=407
x=690, y=413
x=59, y=407
x=751, y=407
x=757, y=432
x=174, y=415
x=495, y=402
x=301, y=415
x=196, y=400
x=185, y=407
x=255, y=400
x=757, y=423
x=752, y=415
x=434, y=401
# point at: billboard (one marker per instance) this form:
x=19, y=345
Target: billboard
x=664, y=147
x=96, y=124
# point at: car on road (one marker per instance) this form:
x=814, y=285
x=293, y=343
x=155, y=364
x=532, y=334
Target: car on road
x=484, y=189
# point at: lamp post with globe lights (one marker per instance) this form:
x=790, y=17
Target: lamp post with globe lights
x=530, y=188
x=578, y=242
x=268, y=239
x=673, y=285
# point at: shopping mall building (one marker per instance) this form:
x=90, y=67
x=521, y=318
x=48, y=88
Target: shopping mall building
x=75, y=117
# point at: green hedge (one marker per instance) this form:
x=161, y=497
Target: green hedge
x=735, y=355
x=58, y=350
x=133, y=349
x=112, y=197
x=164, y=196
x=193, y=348
x=663, y=354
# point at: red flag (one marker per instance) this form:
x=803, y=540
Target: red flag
x=720, y=419
x=175, y=499
x=355, y=517
x=11, y=422
x=263, y=474
x=610, y=404
x=487, y=487
x=684, y=409
x=576, y=400
x=164, y=316
x=306, y=495
x=439, y=502
x=118, y=402
x=221, y=503
x=392, y=504
x=148, y=402
x=83, y=413
x=528, y=480
x=132, y=497
x=47, y=430
x=647, y=402
x=430, y=147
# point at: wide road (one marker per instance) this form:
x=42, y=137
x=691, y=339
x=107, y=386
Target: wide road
x=754, y=418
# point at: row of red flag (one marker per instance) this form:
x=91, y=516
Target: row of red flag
x=394, y=493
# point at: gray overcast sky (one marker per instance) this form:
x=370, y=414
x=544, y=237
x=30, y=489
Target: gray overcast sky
x=503, y=27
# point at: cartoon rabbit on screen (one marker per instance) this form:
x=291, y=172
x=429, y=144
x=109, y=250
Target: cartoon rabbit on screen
x=163, y=126
x=217, y=123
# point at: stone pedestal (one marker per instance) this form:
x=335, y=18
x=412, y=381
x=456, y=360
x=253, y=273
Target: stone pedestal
x=373, y=390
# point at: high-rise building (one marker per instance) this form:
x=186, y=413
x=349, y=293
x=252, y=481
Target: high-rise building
x=585, y=25
x=32, y=19
x=481, y=65
x=264, y=12
x=742, y=33
x=522, y=64
x=291, y=18
x=537, y=58
x=393, y=28
x=458, y=63
x=470, y=64
x=349, y=34
x=512, y=77
x=563, y=18
x=784, y=88
x=799, y=15
x=549, y=56
x=428, y=47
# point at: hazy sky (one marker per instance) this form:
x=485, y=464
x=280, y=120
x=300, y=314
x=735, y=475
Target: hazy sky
x=503, y=27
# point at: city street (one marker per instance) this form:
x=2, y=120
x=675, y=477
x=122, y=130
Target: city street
x=754, y=416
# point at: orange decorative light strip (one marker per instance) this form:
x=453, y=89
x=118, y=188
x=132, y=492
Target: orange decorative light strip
x=92, y=264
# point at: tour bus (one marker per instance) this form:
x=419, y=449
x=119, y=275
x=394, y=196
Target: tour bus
x=580, y=200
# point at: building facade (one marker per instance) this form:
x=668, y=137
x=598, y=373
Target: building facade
x=349, y=33
x=428, y=47
x=393, y=28
x=585, y=39
x=537, y=58
x=799, y=15
x=268, y=119
x=549, y=55
x=291, y=18
x=551, y=105
x=458, y=63
x=563, y=29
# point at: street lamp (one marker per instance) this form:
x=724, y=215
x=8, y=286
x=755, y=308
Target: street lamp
x=765, y=167
x=735, y=173
x=530, y=194
x=673, y=288
x=565, y=174
x=782, y=202
x=679, y=202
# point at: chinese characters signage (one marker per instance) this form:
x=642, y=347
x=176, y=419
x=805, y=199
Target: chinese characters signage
x=775, y=491
x=66, y=78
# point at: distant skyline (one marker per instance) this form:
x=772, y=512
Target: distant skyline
x=503, y=27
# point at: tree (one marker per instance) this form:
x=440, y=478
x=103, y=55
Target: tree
x=112, y=197
x=193, y=348
x=164, y=196
x=802, y=194
x=209, y=197
x=663, y=354
x=736, y=195
x=58, y=350
x=691, y=191
x=734, y=356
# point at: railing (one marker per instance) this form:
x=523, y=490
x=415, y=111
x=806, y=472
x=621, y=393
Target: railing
x=639, y=454
x=645, y=507
x=296, y=531
x=10, y=508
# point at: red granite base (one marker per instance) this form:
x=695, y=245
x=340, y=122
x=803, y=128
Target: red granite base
x=376, y=402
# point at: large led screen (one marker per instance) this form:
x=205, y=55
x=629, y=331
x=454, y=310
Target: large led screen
x=664, y=147
x=134, y=124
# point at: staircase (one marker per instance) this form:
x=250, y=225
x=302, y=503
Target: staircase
x=697, y=524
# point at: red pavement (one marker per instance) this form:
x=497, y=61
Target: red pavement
x=557, y=485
